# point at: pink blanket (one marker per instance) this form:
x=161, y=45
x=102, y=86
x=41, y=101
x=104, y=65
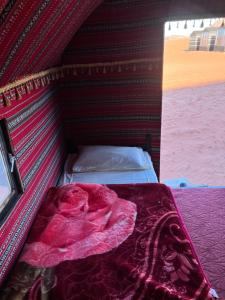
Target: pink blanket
x=78, y=220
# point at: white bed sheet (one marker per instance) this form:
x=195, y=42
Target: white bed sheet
x=110, y=177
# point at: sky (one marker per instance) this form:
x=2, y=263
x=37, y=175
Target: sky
x=181, y=31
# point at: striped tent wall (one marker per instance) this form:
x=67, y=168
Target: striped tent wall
x=54, y=22
x=36, y=134
x=122, y=103
x=33, y=34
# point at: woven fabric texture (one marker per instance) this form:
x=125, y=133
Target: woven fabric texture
x=35, y=131
x=119, y=104
x=33, y=34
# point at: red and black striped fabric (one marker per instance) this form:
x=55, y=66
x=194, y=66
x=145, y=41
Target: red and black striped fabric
x=117, y=105
x=36, y=133
x=33, y=34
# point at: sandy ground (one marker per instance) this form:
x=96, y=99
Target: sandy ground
x=193, y=117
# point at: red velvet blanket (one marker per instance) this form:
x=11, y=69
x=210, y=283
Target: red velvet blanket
x=156, y=262
x=78, y=220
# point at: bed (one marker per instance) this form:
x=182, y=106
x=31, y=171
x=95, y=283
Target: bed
x=119, y=175
x=157, y=261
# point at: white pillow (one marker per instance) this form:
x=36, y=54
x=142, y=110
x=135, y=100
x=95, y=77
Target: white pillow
x=110, y=158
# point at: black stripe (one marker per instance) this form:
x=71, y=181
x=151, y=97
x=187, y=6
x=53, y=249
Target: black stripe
x=20, y=117
x=111, y=82
x=6, y=11
x=41, y=132
x=32, y=172
x=151, y=22
x=115, y=118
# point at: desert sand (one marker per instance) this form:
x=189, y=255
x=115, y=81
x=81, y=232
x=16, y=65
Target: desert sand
x=183, y=68
x=193, y=116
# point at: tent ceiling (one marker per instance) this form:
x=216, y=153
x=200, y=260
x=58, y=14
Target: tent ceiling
x=33, y=34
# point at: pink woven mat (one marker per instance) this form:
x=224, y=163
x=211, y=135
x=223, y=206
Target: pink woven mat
x=203, y=211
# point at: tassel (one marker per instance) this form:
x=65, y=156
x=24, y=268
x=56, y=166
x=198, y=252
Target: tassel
x=194, y=24
x=7, y=98
x=111, y=69
x=134, y=68
x=13, y=94
x=104, y=71
x=1, y=100
x=21, y=90
x=119, y=69
x=62, y=74
x=169, y=27
x=28, y=87
x=202, y=24
x=18, y=93
x=31, y=85
x=48, y=79
x=37, y=83
x=185, y=25
x=89, y=71
x=177, y=24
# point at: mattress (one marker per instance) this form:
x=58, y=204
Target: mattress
x=109, y=177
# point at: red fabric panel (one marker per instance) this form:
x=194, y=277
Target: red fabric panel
x=33, y=34
x=119, y=31
x=35, y=130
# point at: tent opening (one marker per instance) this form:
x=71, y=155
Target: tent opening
x=193, y=107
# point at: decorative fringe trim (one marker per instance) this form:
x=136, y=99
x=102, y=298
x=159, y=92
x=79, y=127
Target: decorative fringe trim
x=16, y=90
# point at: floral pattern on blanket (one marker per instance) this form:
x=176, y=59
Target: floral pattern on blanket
x=156, y=262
